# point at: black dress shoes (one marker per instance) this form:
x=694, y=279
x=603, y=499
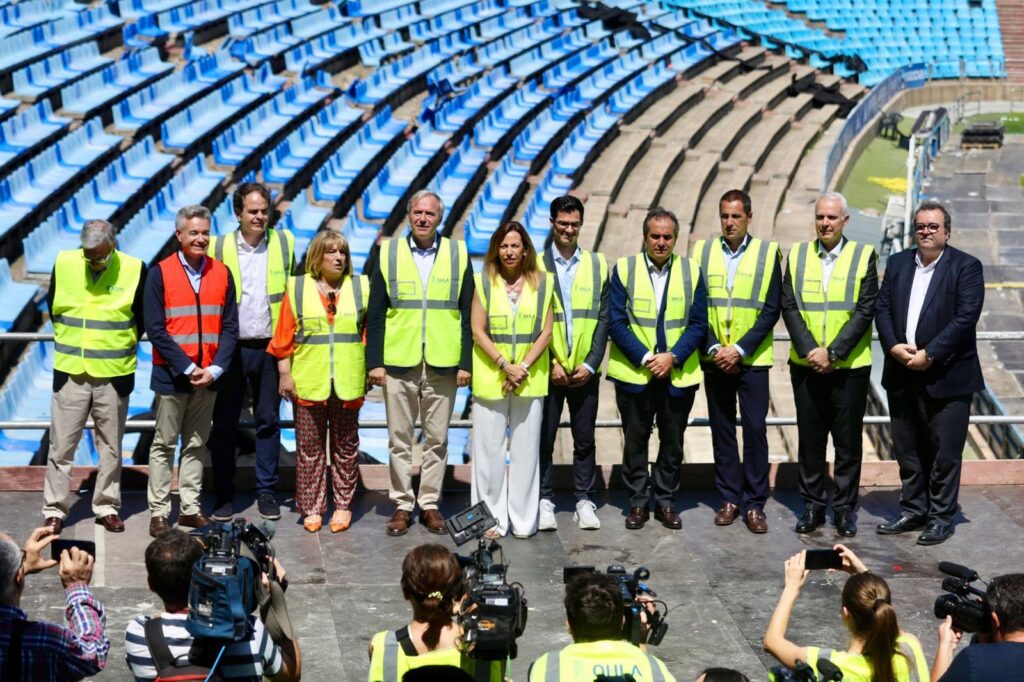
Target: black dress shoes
x=904, y=523
x=668, y=517
x=845, y=524
x=637, y=517
x=935, y=534
x=811, y=519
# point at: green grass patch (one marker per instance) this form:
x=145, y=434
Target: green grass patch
x=1012, y=123
x=881, y=159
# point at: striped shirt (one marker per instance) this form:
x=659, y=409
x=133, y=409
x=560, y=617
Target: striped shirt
x=241, y=660
x=55, y=652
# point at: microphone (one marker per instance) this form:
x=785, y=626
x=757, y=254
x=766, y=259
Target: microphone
x=829, y=670
x=268, y=528
x=958, y=571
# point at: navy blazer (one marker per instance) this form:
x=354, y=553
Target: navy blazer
x=946, y=328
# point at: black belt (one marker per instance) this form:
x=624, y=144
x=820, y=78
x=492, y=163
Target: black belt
x=259, y=344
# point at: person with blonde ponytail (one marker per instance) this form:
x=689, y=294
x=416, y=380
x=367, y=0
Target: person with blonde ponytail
x=432, y=584
x=878, y=650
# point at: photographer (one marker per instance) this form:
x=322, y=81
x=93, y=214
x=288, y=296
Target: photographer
x=878, y=652
x=169, y=562
x=432, y=584
x=998, y=655
x=594, y=616
x=39, y=651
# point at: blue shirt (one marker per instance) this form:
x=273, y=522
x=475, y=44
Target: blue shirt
x=195, y=278
x=733, y=258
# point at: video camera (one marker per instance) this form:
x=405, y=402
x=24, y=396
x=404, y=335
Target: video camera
x=493, y=614
x=226, y=580
x=967, y=605
x=631, y=588
x=802, y=672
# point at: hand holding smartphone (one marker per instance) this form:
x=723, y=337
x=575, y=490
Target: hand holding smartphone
x=819, y=559
x=58, y=546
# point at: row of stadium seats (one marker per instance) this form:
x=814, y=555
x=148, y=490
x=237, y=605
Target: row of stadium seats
x=47, y=38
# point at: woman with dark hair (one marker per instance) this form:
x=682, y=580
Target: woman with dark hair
x=878, y=652
x=432, y=584
x=721, y=675
x=322, y=367
x=512, y=322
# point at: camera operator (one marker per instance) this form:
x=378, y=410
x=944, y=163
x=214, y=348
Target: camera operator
x=998, y=655
x=432, y=584
x=594, y=616
x=878, y=651
x=169, y=562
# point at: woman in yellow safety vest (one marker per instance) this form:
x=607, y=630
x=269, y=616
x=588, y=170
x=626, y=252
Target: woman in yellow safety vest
x=512, y=321
x=322, y=365
x=878, y=652
x=432, y=584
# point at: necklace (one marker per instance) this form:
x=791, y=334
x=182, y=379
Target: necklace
x=513, y=290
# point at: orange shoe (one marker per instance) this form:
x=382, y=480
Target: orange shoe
x=341, y=520
x=313, y=523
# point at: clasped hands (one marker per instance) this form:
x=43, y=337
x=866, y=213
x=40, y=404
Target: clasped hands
x=728, y=360
x=911, y=357
x=819, y=361
x=559, y=377
x=659, y=364
x=515, y=375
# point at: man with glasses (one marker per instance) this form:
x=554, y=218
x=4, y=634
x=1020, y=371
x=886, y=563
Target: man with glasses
x=828, y=302
x=658, y=319
x=37, y=651
x=419, y=347
x=96, y=306
x=577, y=344
x=928, y=308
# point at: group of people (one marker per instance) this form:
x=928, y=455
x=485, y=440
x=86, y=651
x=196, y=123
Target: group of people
x=432, y=645
x=529, y=333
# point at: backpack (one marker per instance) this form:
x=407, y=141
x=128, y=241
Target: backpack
x=170, y=669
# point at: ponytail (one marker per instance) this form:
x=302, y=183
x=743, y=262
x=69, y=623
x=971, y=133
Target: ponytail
x=867, y=599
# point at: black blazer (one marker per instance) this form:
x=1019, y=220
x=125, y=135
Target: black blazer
x=946, y=328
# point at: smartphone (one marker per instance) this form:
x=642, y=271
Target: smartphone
x=818, y=559
x=58, y=546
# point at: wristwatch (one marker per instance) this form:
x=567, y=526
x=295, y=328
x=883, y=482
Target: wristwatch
x=525, y=365
x=832, y=355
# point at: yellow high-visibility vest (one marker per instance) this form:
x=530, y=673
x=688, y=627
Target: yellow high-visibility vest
x=389, y=662
x=587, y=660
x=585, y=302
x=280, y=260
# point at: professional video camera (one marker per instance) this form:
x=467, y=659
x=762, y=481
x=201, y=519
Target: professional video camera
x=493, y=614
x=632, y=588
x=226, y=581
x=802, y=672
x=967, y=605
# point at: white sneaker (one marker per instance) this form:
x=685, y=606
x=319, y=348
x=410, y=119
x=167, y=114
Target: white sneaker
x=585, y=515
x=547, y=516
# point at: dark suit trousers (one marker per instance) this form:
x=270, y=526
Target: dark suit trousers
x=745, y=483
x=830, y=403
x=640, y=412
x=255, y=369
x=582, y=415
x=928, y=436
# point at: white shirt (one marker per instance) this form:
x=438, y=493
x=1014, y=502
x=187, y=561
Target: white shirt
x=424, y=259
x=254, y=307
x=659, y=278
x=828, y=262
x=922, y=278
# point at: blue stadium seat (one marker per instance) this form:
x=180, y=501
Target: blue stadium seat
x=15, y=295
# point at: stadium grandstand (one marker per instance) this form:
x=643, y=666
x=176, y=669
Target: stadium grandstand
x=126, y=110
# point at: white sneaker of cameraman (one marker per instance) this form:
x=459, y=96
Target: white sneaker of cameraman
x=586, y=515
x=547, y=516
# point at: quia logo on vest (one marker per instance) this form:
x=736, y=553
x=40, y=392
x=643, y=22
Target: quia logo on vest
x=113, y=288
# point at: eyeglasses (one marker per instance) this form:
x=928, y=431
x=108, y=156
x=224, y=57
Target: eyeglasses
x=97, y=261
x=332, y=308
x=926, y=227
x=566, y=225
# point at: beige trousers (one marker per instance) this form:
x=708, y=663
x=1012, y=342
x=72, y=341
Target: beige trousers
x=80, y=397
x=187, y=415
x=420, y=392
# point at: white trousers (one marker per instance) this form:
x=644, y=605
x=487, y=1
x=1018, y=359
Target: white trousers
x=511, y=491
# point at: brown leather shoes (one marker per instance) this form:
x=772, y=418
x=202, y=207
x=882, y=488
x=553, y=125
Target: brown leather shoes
x=158, y=526
x=432, y=519
x=112, y=522
x=54, y=523
x=727, y=513
x=756, y=521
x=197, y=520
x=399, y=522
x=668, y=517
x=637, y=517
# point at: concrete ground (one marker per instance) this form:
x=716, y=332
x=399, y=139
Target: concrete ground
x=722, y=583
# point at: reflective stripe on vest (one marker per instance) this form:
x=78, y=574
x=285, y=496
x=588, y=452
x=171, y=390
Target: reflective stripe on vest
x=93, y=322
x=570, y=353
x=513, y=339
x=318, y=345
x=280, y=248
x=423, y=324
x=731, y=314
x=642, y=312
x=826, y=312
